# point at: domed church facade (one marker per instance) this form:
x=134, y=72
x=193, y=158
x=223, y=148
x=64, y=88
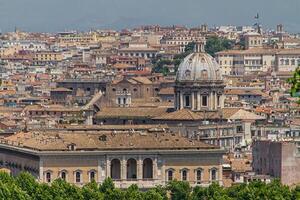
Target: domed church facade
x=199, y=85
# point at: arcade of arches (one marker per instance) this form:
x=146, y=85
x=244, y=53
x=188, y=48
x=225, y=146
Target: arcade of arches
x=131, y=169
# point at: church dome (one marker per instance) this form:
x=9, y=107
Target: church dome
x=198, y=66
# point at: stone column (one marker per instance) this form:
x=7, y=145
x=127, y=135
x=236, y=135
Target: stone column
x=124, y=168
x=41, y=175
x=216, y=101
x=176, y=101
x=155, y=168
x=210, y=101
x=198, y=101
x=193, y=101
x=181, y=100
x=140, y=168
x=107, y=167
x=99, y=178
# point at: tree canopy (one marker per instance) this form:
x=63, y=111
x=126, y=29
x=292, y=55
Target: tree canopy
x=215, y=44
x=25, y=187
x=295, y=84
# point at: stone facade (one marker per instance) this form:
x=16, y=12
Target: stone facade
x=144, y=168
x=278, y=159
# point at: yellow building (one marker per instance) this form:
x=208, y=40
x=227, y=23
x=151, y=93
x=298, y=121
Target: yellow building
x=10, y=50
x=146, y=158
x=43, y=57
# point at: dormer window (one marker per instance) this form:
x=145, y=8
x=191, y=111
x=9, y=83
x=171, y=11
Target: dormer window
x=188, y=73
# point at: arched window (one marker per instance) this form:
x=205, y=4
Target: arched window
x=188, y=73
x=184, y=175
x=115, y=169
x=281, y=62
x=198, y=174
x=204, y=74
x=293, y=62
x=77, y=177
x=170, y=174
x=92, y=175
x=63, y=175
x=213, y=174
x=131, y=169
x=148, y=168
x=48, y=177
x=287, y=62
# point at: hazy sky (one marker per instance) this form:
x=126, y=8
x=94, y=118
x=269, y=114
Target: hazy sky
x=60, y=15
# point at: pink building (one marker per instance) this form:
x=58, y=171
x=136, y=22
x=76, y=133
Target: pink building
x=279, y=159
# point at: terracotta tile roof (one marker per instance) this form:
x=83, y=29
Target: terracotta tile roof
x=245, y=115
x=141, y=79
x=187, y=115
x=61, y=89
x=58, y=108
x=104, y=141
x=130, y=112
x=166, y=91
x=263, y=110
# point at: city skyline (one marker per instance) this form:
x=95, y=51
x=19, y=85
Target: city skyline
x=55, y=16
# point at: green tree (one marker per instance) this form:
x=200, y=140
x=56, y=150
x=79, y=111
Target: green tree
x=91, y=192
x=215, y=44
x=296, y=193
x=61, y=190
x=10, y=191
x=27, y=183
x=6, y=178
x=133, y=193
x=107, y=185
x=109, y=191
x=162, y=191
x=152, y=195
x=179, y=190
x=295, y=84
x=43, y=192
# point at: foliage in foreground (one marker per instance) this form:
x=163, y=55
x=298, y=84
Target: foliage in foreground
x=24, y=187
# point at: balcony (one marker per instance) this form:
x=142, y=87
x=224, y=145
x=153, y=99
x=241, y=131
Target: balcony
x=141, y=183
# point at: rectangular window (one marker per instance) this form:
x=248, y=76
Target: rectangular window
x=204, y=101
x=218, y=100
x=170, y=175
x=198, y=176
x=184, y=175
x=78, y=177
x=187, y=101
x=48, y=177
x=213, y=174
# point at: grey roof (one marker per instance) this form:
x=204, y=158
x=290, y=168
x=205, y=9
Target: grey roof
x=198, y=66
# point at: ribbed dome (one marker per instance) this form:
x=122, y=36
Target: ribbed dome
x=198, y=66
